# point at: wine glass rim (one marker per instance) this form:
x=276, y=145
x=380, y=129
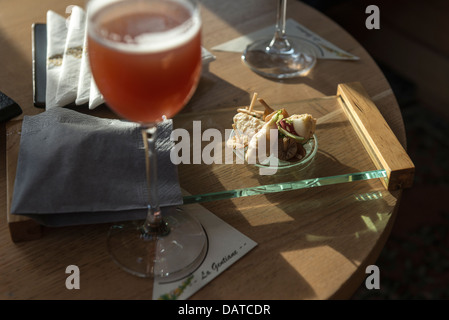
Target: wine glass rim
x=152, y=41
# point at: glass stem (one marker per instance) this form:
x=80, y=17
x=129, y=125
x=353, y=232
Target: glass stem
x=154, y=224
x=279, y=43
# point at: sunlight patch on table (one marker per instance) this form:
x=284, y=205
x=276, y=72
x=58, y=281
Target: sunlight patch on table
x=322, y=267
x=264, y=213
x=378, y=225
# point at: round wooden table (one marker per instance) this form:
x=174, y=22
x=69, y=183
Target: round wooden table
x=312, y=244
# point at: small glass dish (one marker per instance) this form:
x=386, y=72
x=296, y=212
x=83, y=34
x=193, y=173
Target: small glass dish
x=272, y=162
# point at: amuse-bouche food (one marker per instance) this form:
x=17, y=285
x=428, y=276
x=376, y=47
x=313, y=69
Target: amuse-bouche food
x=253, y=128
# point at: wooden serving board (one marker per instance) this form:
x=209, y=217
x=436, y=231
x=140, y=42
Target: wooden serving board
x=379, y=141
x=21, y=228
x=354, y=134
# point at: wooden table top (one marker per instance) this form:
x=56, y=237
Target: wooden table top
x=312, y=244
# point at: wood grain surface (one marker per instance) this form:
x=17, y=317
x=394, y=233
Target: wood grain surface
x=384, y=148
x=312, y=243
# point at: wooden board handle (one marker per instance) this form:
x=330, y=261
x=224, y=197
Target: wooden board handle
x=21, y=228
x=376, y=135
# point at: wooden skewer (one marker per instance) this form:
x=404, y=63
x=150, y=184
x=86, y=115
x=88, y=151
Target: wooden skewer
x=252, y=113
x=262, y=101
x=253, y=100
x=268, y=109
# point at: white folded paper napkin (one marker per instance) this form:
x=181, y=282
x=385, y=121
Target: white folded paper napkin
x=69, y=78
x=77, y=169
x=85, y=80
x=56, y=38
x=323, y=48
x=67, y=89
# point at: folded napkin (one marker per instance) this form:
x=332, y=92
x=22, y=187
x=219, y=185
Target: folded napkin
x=85, y=77
x=323, y=48
x=56, y=35
x=67, y=89
x=78, y=169
x=69, y=78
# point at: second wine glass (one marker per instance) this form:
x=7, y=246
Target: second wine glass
x=282, y=56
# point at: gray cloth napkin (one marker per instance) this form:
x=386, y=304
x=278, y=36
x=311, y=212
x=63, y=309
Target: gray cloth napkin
x=78, y=169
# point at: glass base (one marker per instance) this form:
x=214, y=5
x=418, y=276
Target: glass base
x=166, y=258
x=270, y=62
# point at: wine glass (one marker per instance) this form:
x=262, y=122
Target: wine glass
x=145, y=57
x=280, y=57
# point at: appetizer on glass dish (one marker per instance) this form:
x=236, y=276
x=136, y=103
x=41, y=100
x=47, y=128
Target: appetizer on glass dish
x=275, y=133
